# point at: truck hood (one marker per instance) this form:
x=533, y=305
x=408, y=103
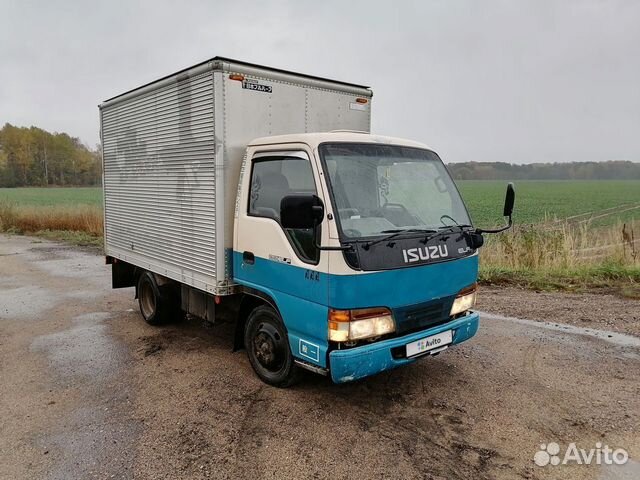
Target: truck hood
x=419, y=297
x=403, y=287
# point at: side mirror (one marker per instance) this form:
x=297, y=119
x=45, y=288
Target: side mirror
x=301, y=211
x=509, y=200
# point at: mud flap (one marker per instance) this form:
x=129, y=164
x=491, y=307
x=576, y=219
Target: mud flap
x=122, y=275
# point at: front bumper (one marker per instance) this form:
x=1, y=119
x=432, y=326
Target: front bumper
x=354, y=363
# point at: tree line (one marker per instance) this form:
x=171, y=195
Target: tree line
x=609, y=170
x=34, y=157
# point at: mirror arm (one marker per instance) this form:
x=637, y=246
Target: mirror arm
x=341, y=247
x=497, y=230
x=329, y=249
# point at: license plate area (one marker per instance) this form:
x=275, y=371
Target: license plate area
x=427, y=344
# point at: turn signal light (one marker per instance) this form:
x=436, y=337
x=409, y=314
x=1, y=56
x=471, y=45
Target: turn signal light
x=235, y=76
x=362, y=100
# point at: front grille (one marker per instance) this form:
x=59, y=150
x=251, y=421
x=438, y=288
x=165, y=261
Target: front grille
x=418, y=317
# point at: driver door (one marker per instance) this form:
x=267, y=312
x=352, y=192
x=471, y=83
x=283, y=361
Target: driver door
x=284, y=265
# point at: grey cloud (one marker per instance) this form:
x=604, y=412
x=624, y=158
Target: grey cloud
x=515, y=81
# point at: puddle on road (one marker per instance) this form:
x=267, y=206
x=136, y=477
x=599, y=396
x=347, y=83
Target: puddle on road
x=619, y=339
x=76, y=266
x=84, y=350
x=62, y=261
x=19, y=299
x=96, y=436
x=22, y=302
x=32, y=302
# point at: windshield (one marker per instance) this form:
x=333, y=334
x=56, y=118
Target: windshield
x=380, y=189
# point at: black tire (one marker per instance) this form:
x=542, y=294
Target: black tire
x=157, y=305
x=267, y=345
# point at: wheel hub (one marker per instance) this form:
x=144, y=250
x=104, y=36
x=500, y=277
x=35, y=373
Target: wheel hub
x=147, y=298
x=268, y=347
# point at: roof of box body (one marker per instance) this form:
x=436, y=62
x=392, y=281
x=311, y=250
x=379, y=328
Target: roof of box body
x=216, y=63
x=315, y=139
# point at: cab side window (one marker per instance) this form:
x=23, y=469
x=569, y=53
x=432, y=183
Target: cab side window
x=272, y=179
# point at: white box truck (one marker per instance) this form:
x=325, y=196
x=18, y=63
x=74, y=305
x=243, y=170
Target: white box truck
x=237, y=189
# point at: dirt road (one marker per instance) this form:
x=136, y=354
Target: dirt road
x=90, y=391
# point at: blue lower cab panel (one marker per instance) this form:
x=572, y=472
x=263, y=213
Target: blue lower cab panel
x=352, y=364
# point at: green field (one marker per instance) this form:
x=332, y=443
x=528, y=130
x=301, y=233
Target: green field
x=534, y=199
x=561, y=199
x=54, y=196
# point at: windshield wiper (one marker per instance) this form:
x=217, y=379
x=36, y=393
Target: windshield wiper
x=455, y=223
x=395, y=233
x=453, y=228
x=442, y=231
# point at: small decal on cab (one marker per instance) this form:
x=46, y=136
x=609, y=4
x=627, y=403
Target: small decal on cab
x=309, y=350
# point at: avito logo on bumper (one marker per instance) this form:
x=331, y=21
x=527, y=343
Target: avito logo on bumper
x=429, y=343
x=425, y=253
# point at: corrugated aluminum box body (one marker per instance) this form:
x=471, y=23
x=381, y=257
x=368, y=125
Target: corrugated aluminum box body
x=172, y=153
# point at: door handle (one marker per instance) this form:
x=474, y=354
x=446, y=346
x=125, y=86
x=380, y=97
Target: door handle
x=248, y=257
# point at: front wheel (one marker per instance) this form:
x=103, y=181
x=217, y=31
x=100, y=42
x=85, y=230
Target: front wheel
x=267, y=345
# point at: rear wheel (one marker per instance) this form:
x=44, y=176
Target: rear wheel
x=267, y=345
x=156, y=303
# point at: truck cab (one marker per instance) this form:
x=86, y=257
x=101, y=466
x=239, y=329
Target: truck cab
x=361, y=249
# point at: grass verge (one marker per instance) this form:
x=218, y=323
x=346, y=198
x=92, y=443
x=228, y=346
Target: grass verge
x=560, y=255
x=80, y=225
x=622, y=280
x=82, y=239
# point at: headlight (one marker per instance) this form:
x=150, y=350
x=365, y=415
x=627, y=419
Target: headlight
x=350, y=325
x=465, y=300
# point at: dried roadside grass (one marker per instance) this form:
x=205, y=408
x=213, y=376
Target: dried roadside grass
x=563, y=245
x=565, y=251
x=81, y=218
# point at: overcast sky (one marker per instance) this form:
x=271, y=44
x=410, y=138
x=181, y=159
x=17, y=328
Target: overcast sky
x=514, y=81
